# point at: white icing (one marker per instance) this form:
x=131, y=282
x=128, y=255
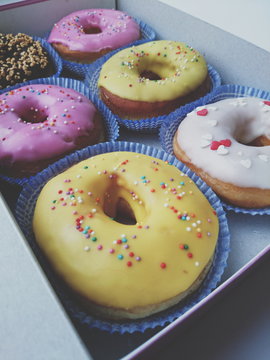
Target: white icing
x=263, y=157
x=246, y=163
x=240, y=120
x=205, y=142
x=222, y=150
x=212, y=122
x=207, y=136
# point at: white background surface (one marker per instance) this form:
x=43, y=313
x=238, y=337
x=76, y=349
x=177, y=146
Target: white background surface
x=248, y=19
x=5, y=2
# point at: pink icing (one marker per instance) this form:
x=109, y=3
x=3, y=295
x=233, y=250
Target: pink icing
x=41, y=122
x=117, y=29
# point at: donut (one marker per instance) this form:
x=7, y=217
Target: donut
x=227, y=143
x=41, y=123
x=22, y=59
x=86, y=35
x=153, y=79
x=130, y=234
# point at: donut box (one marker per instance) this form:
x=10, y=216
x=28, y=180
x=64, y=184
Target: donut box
x=241, y=286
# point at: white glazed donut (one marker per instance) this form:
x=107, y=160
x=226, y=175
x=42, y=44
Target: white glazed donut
x=228, y=144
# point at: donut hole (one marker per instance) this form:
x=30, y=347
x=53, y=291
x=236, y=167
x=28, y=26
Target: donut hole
x=154, y=70
x=150, y=75
x=259, y=141
x=91, y=29
x=120, y=211
x=32, y=115
x=243, y=133
x=117, y=204
x=124, y=213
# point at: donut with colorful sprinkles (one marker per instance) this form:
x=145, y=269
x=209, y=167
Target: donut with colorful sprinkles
x=85, y=35
x=40, y=123
x=153, y=79
x=227, y=143
x=130, y=234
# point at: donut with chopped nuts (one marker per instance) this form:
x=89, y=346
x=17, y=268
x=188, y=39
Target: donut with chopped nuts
x=22, y=58
x=41, y=123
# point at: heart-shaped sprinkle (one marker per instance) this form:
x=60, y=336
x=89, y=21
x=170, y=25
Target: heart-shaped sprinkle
x=202, y=112
x=263, y=157
x=267, y=102
x=207, y=136
x=226, y=142
x=204, y=143
x=215, y=145
x=246, y=163
x=222, y=150
x=212, y=122
x=266, y=109
x=242, y=103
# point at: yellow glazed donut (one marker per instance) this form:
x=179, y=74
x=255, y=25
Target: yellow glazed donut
x=153, y=79
x=126, y=268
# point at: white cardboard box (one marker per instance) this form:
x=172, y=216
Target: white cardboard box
x=33, y=325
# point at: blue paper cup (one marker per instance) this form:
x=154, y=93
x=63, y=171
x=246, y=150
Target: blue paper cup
x=109, y=119
x=79, y=71
x=24, y=213
x=169, y=128
x=149, y=125
x=55, y=59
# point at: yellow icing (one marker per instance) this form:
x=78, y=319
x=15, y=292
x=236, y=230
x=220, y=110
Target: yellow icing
x=181, y=69
x=159, y=195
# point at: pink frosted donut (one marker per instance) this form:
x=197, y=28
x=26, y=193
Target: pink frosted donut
x=41, y=123
x=85, y=35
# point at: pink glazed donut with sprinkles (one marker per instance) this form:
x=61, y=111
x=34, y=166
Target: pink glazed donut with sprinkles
x=84, y=36
x=41, y=123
